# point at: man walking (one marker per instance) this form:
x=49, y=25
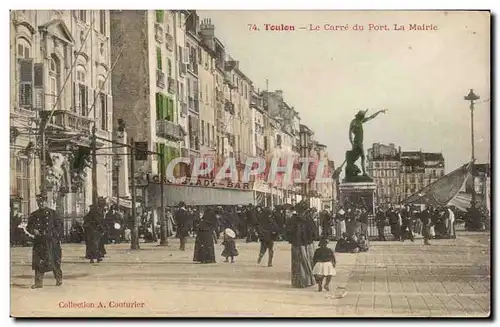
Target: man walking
x=182, y=220
x=47, y=230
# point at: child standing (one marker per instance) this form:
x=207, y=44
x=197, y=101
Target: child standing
x=229, y=244
x=324, y=265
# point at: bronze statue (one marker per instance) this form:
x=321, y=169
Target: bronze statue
x=356, y=129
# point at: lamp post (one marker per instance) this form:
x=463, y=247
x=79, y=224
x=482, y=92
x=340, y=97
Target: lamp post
x=117, y=162
x=471, y=97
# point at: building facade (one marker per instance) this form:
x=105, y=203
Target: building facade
x=59, y=66
x=148, y=90
x=400, y=174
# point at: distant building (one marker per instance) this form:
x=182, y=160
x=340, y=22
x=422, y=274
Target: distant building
x=401, y=174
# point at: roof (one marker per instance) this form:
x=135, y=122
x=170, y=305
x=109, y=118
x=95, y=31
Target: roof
x=433, y=156
x=412, y=162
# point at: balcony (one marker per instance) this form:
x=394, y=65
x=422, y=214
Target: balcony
x=169, y=42
x=71, y=121
x=169, y=130
x=158, y=33
x=160, y=79
x=171, y=86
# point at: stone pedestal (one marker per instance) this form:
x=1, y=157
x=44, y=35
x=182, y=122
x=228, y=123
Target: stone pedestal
x=359, y=194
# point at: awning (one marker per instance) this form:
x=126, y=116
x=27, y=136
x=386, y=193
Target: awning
x=199, y=196
x=126, y=203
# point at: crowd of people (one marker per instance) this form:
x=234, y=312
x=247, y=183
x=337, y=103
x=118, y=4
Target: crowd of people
x=299, y=225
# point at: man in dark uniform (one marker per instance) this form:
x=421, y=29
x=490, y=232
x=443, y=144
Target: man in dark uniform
x=267, y=231
x=47, y=230
x=183, y=222
x=380, y=221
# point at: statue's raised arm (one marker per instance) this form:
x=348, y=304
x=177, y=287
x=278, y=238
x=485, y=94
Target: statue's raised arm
x=374, y=115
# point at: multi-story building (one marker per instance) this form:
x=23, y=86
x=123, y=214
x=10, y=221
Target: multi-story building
x=208, y=95
x=401, y=174
x=383, y=165
x=194, y=92
x=258, y=125
x=59, y=67
x=419, y=169
x=145, y=82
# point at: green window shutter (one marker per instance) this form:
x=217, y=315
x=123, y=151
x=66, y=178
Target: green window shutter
x=171, y=110
x=158, y=58
x=165, y=104
x=158, y=106
x=159, y=16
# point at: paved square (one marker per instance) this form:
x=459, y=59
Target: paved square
x=448, y=278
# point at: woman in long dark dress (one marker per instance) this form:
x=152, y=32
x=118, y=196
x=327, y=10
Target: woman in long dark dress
x=94, y=228
x=204, y=249
x=301, y=232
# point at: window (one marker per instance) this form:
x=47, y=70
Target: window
x=202, y=132
x=104, y=111
x=23, y=49
x=23, y=184
x=102, y=21
x=206, y=93
x=82, y=89
x=179, y=53
x=158, y=58
x=169, y=67
x=82, y=15
x=213, y=132
x=25, y=73
x=208, y=134
x=54, y=78
x=246, y=92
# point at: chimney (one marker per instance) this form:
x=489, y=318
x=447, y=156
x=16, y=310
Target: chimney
x=207, y=31
x=399, y=149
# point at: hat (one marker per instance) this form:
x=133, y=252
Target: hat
x=182, y=204
x=323, y=241
x=230, y=233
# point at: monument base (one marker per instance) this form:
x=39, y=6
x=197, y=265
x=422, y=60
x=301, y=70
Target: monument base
x=358, y=195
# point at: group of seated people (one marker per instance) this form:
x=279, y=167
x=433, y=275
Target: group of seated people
x=354, y=244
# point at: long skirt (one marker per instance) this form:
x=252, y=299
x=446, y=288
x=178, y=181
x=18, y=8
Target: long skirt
x=204, y=249
x=302, y=266
x=93, y=245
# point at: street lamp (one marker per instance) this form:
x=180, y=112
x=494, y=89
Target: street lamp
x=471, y=97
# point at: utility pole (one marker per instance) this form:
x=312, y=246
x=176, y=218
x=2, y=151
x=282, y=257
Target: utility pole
x=471, y=97
x=94, y=166
x=43, y=151
x=134, y=245
x=163, y=222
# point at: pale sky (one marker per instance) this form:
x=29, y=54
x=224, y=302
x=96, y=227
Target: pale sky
x=421, y=77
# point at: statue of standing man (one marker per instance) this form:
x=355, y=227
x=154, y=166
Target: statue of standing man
x=356, y=139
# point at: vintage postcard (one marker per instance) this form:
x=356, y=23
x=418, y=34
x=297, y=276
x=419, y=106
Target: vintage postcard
x=190, y=163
